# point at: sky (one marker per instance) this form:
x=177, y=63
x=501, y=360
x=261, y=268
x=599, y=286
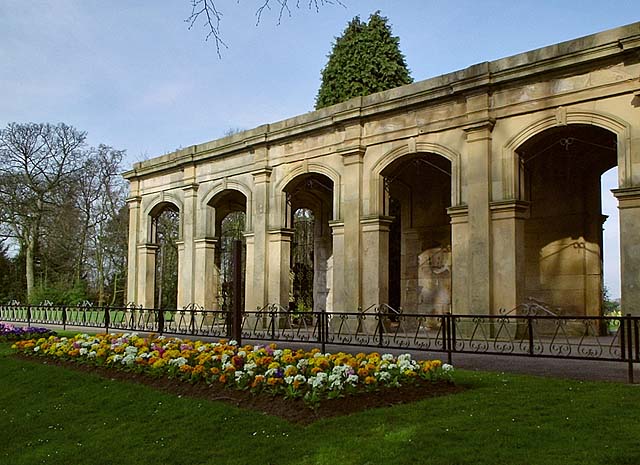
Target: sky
x=134, y=76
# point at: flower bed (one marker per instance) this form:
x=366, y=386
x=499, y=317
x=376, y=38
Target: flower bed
x=312, y=375
x=15, y=333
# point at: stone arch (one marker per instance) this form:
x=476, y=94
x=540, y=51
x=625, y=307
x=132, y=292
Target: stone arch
x=413, y=147
x=308, y=168
x=558, y=163
x=155, y=206
x=217, y=189
x=563, y=117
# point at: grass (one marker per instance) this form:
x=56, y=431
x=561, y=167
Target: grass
x=55, y=415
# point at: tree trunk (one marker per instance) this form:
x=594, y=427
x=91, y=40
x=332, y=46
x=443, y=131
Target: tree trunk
x=30, y=261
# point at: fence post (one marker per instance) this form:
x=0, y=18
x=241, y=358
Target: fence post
x=629, y=343
x=237, y=291
x=530, y=330
x=380, y=327
x=64, y=317
x=322, y=317
x=450, y=335
x=107, y=316
x=160, y=321
x=28, y=316
x=272, y=311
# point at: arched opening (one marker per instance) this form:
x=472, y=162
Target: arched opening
x=309, y=210
x=561, y=170
x=165, y=233
x=302, y=260
x=230, y=222
x=418, y=193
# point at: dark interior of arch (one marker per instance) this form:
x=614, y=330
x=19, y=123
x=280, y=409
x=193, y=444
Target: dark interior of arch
x=418, y=189
x=165, y=234
x=560, y=177
x=309, y=211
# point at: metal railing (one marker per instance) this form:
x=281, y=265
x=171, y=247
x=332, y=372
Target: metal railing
x=528, y=334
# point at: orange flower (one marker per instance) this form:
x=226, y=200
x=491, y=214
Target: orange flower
x=369, y=380
x=223, y=379
x=214, y=371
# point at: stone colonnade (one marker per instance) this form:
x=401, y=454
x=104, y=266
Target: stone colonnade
x=493, y=171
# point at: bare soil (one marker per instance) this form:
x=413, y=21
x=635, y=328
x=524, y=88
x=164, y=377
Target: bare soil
x=292, y=410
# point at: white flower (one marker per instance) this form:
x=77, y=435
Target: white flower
x=84, y=351
x=178, y=361
x=242, y=353
x=36, y=348
x=92, y=354
x=277, y=353
x=288, y=379
x=233, y=342
x=387, y=357
x=352, y=379
x=447, y=368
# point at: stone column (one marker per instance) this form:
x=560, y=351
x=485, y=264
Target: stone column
x=508, y=252
x=460, y=295
x=629, y=206
x=279, y=266
x=375, y=260
x=257, y=258
x=206, y=277
x=351, y=191
x=186, y=262
x=477, y=158
x=146, y=275
x=338, y=303
x=132, y=253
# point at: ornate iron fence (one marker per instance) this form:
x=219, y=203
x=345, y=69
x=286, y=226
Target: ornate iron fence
x=614, y=339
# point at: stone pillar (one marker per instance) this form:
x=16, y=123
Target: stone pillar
x=508, y=252
x=186, y=248
x=460, y=295
x=279, y=266
x=132, y=253
x=477, y=161
x=205, y=276
x=629, y=206
x=248, y=274
x=146, y=275
x=409, y=269
x=339, y=301
x=375, y=260
x=351, y=191
x=257, y=258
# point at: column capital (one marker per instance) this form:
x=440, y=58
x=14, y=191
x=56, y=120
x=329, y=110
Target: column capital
x=134, y=201
x=479, y=130
x=147, y=246
x=458, y=214
x=337, y=226
x=376, y=223
x=262, y=175
x=505, y=209
x=190, y=187
x=353, y=154
x=628, y=197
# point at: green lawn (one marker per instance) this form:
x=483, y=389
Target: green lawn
x=56, y=415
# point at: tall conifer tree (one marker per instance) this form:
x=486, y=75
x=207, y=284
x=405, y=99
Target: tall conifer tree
x=364, y=60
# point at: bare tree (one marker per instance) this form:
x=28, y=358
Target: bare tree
x=36, y=163
x=208, y=11
x=100, y=197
